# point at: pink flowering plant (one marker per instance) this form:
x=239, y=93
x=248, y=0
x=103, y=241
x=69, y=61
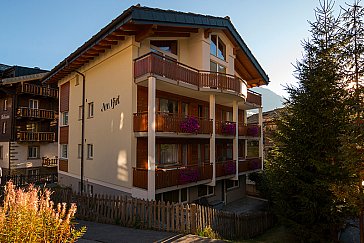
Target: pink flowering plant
x=253, y=131
x=230, y=167
x=188, y=175
x=190, y=125
x=228, y=128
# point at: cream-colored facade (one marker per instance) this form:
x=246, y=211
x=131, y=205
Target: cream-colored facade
x=111, y=88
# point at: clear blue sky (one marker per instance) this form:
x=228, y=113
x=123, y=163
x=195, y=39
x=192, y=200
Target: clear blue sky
x=42, y=33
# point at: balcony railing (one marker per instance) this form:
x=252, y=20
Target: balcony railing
x=38, y=90
x=49, y=162
x=249, y=164
x=173, y=176
x=35, y=113
x=225, y=168
x=249, y=130
x=36, y=136
x=169, y=122
x=254, y=98
x=21, y=180
x=153, y=63
x=225, y=128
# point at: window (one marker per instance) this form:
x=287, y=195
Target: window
x=64, y=116
x=80, y=110
x=33, y=152
x=230, y=184
x=33, y=104
x=164, y=45
x=1, y=152
x=64, y=151
x=215, y=67
x=177, y=196
x=184, y=154
x=33, y=172
x=90, y=151
x=185, y=109
x=217, y=47
x=5, y=105
x=4, y=127
x=79, y=151
x=90, y=109
x=168, y=106
x=168, y=153
x=204, y=190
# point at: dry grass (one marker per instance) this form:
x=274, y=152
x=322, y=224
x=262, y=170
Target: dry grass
x=28, y=215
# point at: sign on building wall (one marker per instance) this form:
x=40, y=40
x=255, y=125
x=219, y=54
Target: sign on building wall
x=111, y=105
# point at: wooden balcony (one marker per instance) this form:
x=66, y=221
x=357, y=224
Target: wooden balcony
x=173, y=176
x=249, y=164
x=38, y=90
x=22, y=180
x=36, y=136
x=249, y=130
x=225, y=168
x=155, y=64
x=49, y=162
x=177, y=123
x=254, y=98
x=226, y=128
x=35, y=113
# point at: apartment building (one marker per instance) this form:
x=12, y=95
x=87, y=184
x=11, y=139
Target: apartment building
x=28, y=119
x=154, y=105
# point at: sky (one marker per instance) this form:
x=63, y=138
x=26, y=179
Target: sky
x=41, y=33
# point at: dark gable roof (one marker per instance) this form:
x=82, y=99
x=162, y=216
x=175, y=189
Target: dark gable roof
x=146, y=15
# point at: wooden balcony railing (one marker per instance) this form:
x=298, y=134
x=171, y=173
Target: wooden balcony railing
x=21, y=180
x=173, y=176
x=35, y=113
x=38, y=90
x=225, y=168
x=169, y=122
x=153, y=63
x=36, y=136
x=49, y=162
x=249, y=164
x=249, y=130
x=225, y=128
x=254, y=98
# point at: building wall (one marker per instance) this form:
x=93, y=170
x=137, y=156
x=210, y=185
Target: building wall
x=6, y=118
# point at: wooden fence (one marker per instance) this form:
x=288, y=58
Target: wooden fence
x=172, y=217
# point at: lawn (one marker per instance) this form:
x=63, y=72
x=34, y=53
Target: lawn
x=278, y=234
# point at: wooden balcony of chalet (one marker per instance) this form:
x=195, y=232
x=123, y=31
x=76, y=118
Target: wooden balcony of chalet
x=186, y=76
x=226, y=128
x=49, y=162
x=27, y=112
x=225, y=168
x=25, y=136
x=37, y=90
x=173, y=176
x=248, y=130
x=170, y=122
x=249, y=164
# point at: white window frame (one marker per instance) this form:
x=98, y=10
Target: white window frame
x=64, y=121
x=63, y=151
x=33, y=104
x=3, y=130
x=5, y=108
x=236, y=185
x=34, y=152
x=33, y=172
x=90, y=109
x=90, y=151
x=207, y=191
x=218, y=39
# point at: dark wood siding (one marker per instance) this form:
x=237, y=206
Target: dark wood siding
x=142, y=153
x=63, y=165
x=63, y=135
x=64, y=97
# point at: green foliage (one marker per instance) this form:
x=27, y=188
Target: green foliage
x=28, y=215
x=311, y=179
x=208, y=232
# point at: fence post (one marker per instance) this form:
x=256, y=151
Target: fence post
x=193, y=216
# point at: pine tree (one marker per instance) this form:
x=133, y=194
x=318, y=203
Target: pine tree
x=306, y=167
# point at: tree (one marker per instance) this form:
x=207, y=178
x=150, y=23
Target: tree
x=307, y=166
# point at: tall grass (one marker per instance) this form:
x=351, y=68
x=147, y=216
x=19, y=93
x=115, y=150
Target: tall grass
x=28, y=215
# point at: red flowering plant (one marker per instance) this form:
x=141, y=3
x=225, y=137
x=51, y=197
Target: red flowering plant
x=229, y=128
x=190, y=125
x=188, y=175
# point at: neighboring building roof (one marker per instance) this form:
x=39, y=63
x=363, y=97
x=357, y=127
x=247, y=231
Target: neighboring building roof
x=24, y=78
x=3, y=67
x=253, y=119
x=7, y=71
x=150, y=16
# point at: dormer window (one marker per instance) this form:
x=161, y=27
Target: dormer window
x=164, y=46
x=218, y=47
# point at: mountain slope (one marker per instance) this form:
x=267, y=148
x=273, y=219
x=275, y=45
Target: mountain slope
x=271, y=100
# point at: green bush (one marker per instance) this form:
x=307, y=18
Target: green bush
x=208, y=232
x=28, y=215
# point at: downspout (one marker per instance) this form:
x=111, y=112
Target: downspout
x=82, y=128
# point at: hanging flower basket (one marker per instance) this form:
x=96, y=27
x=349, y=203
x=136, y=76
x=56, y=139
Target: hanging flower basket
x=190, y=125
x=253, y=131
x=188, y=176
x=228, y=128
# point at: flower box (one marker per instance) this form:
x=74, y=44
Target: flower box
x=190, y=125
